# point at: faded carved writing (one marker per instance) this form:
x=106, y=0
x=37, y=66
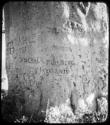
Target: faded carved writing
x=38, y=60
x=10, y=48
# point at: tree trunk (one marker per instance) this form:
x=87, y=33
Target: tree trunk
x=46, y=54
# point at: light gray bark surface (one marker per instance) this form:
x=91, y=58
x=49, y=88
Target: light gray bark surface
x=54, y=48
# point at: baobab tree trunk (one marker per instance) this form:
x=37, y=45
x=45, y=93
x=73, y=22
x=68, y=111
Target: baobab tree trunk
x=49, y=49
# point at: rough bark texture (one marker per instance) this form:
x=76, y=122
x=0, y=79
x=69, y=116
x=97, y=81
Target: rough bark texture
x=55, y=50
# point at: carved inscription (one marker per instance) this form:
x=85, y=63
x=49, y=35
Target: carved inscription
x=48, y=71
x=49, y=63
x=54, y=62
x=29, y=60
x=10, y=47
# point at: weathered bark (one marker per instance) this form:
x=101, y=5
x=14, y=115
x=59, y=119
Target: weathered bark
x=49, y=48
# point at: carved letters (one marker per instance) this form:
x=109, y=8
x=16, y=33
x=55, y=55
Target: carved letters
x=10, y=48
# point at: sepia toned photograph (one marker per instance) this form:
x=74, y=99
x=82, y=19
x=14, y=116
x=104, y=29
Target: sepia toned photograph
x=54, y=62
